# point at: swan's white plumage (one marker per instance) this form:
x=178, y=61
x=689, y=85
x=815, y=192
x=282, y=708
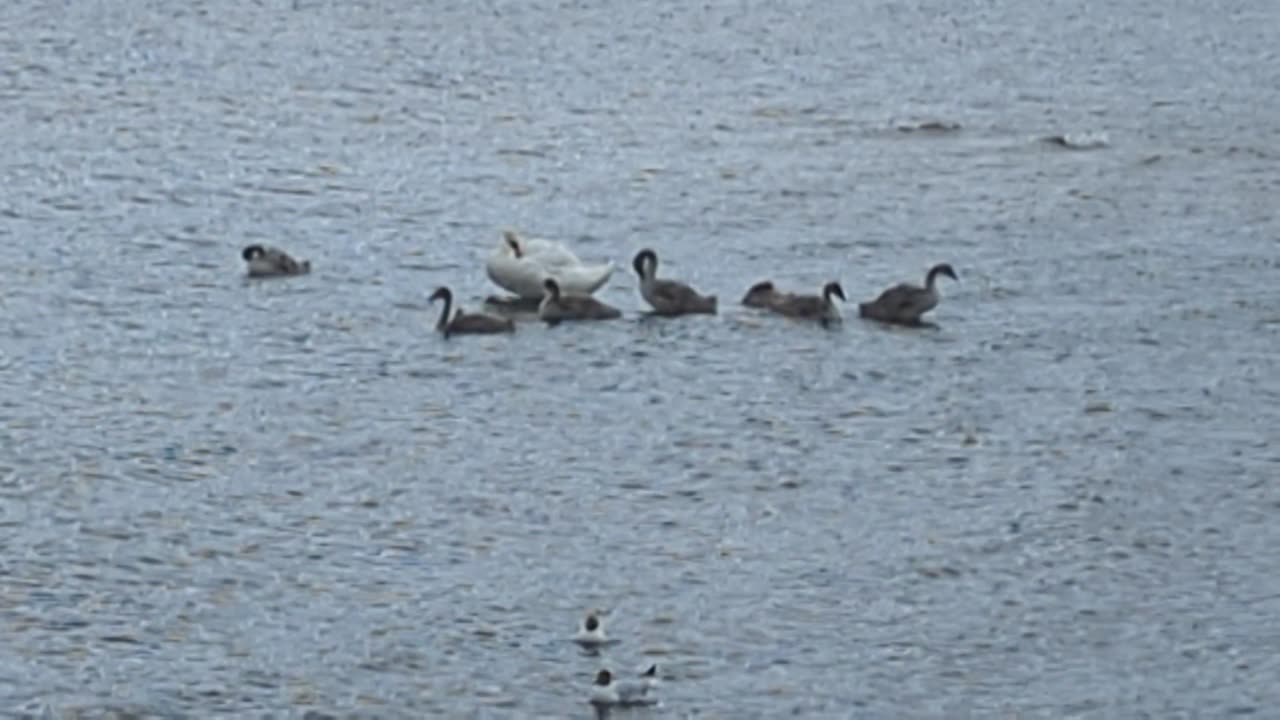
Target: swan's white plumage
x=541, y=259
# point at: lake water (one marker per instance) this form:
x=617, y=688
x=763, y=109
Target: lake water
x=291, y=498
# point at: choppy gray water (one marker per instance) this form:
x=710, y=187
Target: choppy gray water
x=267, y=499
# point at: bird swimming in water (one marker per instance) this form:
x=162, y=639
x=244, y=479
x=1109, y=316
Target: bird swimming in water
x=556, y=306
x=265, y=261
x=668, y=297
x=464, y=323
x=590, y=634
x=809, y=307
x=904, y=303
x=607, y=692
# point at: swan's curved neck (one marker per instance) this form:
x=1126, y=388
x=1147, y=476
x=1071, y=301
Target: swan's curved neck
x=647, y=268
x=931, y=280
x=444, y=313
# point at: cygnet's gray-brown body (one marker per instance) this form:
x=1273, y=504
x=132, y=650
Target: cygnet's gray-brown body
x=904, y=303
x=668, y=297
x=464, y=323
x=803, y=307
x=557, y=307
x=265, y=261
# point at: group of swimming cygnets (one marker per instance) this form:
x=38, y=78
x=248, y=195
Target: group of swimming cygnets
x=550, y=280
x=608, y=691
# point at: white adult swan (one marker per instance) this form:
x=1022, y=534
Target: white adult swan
x=523, y=265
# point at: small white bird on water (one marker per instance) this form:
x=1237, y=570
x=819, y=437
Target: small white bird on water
x=591, y=634
x=608, y=692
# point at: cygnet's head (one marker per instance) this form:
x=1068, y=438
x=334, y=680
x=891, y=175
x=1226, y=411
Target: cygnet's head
x=645, y=261
x=944, y=269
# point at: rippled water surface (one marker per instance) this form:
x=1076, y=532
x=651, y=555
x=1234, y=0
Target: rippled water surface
x=291, y=498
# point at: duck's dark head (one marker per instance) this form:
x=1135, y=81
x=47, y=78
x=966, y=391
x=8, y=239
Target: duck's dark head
x=645, y=258
x=253, y=252
x=592, y=623
x=441, y=293
x=833, y=288
x=513, y=242
x=604, y=677
x=941, y=269
x=552, y=287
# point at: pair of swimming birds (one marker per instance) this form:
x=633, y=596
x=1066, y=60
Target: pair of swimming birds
x=902, y=304
x=608, y=690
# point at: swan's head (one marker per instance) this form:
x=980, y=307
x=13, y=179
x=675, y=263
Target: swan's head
x=552, y=287
x=646, y=261
x=253, y=252
x=441, y=293
x=513, y=242
x=603, y=678
x=941, y=269
x=833, y=288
